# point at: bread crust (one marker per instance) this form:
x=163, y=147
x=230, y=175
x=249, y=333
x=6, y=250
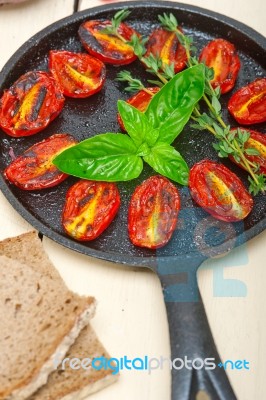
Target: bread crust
x=35, y=301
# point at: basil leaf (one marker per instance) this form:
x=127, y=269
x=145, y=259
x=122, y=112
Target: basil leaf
x=165, y=160
x=171, y=108
x=137, y=124
x=106, y=157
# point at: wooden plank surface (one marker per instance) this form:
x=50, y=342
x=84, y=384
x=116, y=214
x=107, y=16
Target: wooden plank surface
x=19, y=22
x=131, y=317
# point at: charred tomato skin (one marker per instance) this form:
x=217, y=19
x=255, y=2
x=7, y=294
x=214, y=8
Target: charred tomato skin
x=221, y=55
x=140, y=100
x=248, y=104
x=30, y=104
x=78, y=74
x=34, y=170
x=256, y=141
x=219, y=191
x=165, y=44
x=153, y=212
x=89, y=209
x=107, y=47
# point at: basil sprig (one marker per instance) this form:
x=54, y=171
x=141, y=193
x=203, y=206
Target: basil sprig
x=116, y=157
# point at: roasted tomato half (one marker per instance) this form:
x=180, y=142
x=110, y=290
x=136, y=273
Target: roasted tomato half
x=153, y=212
x=78, y=74
x=105, y=46
x=90, y=208
x=141, y=100
x=166, y=46
x=34, y=170
x=221, y=55
x=30, y=104
x=256, y=141
x=219, y=191
x=248, y=104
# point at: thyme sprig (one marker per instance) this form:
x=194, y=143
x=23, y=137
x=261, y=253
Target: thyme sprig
x=134, y=84
x=119, y=17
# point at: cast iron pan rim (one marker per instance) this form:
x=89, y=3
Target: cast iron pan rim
x=151, y=260
x=260, y=39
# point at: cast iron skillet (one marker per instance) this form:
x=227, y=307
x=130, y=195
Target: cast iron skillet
x=198, y=235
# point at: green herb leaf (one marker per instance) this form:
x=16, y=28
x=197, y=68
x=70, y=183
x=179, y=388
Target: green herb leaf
x=169, y=71
x=107, y=157
x=138, y=45
x=222, y=154
x=115, y=22
x=252, y=152
x=109, y=30
x=157, y=83
x=119, y=17
x=217, y=92
x=137, y=124
x=171, y=108
x=237, y=158
x=216, y=146
x=209, y=73
x=198, y=127
x=219, y=131
x=153, y=63
x=231, y=136
x=216, y=104
x=134, y=84
x=165, y=160
x=243, y=135
x=204, y=120
x=168, y=22
x=260, y=186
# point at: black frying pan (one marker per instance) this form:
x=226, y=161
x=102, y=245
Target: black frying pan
x=198, y=236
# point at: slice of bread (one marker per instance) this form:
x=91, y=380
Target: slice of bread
x=65, y=384
x=69, y=384
x=39, y=318
x=28, y=249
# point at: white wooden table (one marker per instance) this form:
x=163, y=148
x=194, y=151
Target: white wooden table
x=131, y=317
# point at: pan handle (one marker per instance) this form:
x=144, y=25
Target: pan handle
x=191, y=338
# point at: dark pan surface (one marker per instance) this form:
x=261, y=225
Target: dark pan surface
x=88, y=117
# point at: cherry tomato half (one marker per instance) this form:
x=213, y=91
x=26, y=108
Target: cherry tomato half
x=153, y=212
x=248, y=104
x=219, y=191
x=166, y=46
x=140, y=101
x=105, y=46
x=34, y=170
x=221, y=55
x=256, y=141
x=30, y=104
x=78, y=74
x=90, y=208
